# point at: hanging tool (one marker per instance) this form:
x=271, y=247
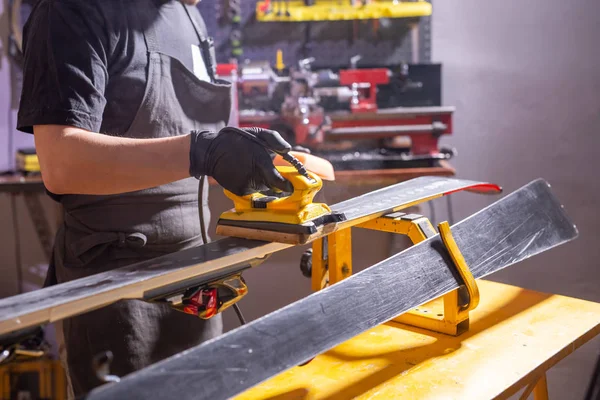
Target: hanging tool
x=279, y=65
x=279, y=216
x=231, y=13
x=281, y=13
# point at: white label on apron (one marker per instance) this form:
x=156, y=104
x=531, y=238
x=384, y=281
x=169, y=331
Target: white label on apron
x=199, y=67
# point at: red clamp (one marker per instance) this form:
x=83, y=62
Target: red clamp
x=204, y=303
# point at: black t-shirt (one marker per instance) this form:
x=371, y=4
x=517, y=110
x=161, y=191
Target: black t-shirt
x=86, y=60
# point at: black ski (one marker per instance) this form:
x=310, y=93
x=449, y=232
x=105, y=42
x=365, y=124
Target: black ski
x=520, y=225
x=188, y=268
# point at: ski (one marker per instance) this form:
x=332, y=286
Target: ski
x=520, y=225
x=164, y=275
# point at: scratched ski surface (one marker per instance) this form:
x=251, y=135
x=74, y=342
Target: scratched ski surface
x=201, y=264
x=520, y=225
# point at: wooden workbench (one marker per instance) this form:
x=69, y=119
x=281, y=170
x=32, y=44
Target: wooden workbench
x=386, y=177
x=515, y=336
x=18, y=183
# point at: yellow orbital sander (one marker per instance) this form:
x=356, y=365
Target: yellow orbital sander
x=283, y=217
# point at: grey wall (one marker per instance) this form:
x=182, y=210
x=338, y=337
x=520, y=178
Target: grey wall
x=526, y=85
x=525, y=78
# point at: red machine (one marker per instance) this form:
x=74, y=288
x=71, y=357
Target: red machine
x=360, y=132
x=423, y=126
x=363, y=83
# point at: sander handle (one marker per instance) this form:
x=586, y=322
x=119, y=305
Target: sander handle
x=274, y=142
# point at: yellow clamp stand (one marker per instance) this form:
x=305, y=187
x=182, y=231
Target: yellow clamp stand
x=449, y=314
x=461, y=266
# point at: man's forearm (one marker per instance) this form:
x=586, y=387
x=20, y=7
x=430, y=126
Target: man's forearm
x=76, y=161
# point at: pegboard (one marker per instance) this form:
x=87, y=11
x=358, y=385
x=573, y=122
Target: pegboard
x=332, y=43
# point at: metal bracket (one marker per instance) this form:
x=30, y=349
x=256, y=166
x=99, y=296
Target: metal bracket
x=461, y=266
x=331, y=259
x=449, y=314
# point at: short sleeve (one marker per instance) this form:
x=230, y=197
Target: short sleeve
x=65, y=66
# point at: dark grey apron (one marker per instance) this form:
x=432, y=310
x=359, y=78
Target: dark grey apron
x=106, y=232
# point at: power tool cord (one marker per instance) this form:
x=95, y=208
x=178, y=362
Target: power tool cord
x=238, y=311
x=203, y=232
x=201, y=209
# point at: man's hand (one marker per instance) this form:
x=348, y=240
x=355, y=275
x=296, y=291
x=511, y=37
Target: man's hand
x=240, y=160
x=76, y=161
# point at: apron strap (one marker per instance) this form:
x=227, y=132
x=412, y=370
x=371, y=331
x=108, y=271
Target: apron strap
x=206, y=44
x=150, y=36
x=121, y=239
x=87, y=244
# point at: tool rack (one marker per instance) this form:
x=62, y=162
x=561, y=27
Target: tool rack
x=327, y=10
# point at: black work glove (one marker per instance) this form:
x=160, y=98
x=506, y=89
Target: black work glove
x=239, y=159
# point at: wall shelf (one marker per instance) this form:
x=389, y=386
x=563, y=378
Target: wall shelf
x=339, y=10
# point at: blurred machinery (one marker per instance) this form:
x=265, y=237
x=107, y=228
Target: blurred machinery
x=358, y=118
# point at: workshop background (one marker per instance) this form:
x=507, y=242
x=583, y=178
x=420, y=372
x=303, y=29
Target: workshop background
x=525, y=80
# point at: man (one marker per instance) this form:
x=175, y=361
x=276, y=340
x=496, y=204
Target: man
x=121, y=98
